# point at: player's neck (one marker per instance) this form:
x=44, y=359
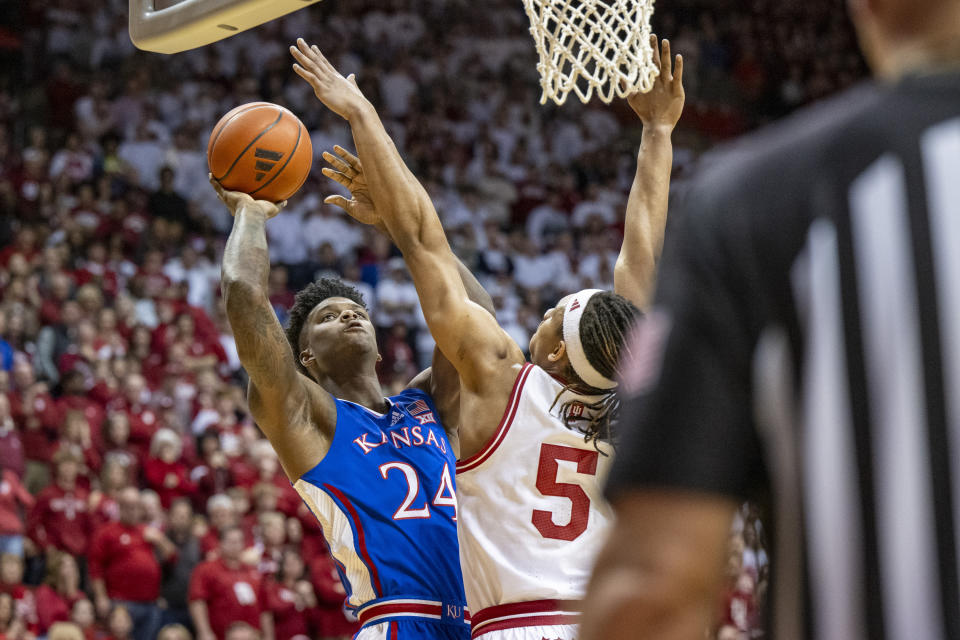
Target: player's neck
x=359, y=387
x=937, y=50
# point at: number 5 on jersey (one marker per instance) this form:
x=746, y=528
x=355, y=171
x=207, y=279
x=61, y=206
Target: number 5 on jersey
x=550, y=455
x=445, y=496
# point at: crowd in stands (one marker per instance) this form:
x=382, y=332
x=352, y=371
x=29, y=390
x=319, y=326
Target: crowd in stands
x=134, y=487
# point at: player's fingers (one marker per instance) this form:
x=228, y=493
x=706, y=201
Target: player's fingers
x=678, y=73
x=322, y=59
x=301, y=57
x=339, y=164
x=665, y=59
x=351, y=159
x=352, y=78
x=339, y=201
x=307, y=75
x=337, y=176
x=656, y=49
x=216, y=186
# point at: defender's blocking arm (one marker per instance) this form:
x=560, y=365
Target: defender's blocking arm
x=659, y=110
x=466, y=334
x=441, y=380
x=280, y=398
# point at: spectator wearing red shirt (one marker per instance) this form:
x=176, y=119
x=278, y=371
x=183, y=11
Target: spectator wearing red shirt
x=211, y=476
x=14, y=498
x=289, y=600
x=271, y=533
x=124, y=567
x=116, y=438
x=61, y=519
x=59, y=592
x=12, y=626
x=224, y=591
x=165, y=471
x=11, y=583
x=35, y=414
x=76, y=434
x=114, y=476
x=142, y=418
x=268, y=468
x=334, y=620
x=11, y=447
x=75, y=398
x=221, y=514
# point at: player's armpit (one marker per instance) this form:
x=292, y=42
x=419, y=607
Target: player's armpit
x=661, y=571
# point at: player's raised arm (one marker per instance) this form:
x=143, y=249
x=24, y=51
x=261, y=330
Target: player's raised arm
x=281, y=400
x=441, y=380
x=659, y=110
x=466, y=333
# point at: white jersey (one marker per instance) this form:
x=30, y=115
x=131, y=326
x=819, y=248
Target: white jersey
x=532, y=516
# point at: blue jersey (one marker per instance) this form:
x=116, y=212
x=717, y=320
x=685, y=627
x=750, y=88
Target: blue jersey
x=385, y=497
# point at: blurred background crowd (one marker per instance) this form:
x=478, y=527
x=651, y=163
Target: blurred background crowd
x=134, y=481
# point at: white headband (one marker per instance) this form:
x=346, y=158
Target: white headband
x=571, y=336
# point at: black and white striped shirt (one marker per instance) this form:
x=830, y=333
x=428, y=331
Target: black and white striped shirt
x=804, y=350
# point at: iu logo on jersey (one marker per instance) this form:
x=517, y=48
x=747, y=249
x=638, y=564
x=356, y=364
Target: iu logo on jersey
x=575, y=410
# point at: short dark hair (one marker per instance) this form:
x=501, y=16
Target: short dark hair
x=604, y=325
x=308, y=298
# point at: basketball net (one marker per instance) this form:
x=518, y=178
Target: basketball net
x=592, y=45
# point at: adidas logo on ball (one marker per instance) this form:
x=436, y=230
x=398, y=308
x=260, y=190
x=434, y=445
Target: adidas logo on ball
x=262, y=166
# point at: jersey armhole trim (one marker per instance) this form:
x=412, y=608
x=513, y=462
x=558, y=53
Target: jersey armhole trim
x=488, y=449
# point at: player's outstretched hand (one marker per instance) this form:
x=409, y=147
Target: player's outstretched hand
x=340, y=95
x=348, y=171
x=237, y=199
x=663, y=104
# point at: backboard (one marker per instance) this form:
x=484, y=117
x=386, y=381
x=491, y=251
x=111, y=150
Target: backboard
x=171, y=26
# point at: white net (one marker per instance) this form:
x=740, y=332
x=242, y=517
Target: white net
x=592, y=45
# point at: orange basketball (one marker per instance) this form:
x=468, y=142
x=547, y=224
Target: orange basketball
x=261, y=149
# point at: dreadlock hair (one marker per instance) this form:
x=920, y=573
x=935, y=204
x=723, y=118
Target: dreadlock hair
x=308, y=298
x=604, y=325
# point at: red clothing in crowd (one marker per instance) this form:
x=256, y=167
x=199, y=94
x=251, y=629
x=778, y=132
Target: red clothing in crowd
x=105, y=509
x=13, y=495
x=169, y=479
x=53, y=606
x=24, y=603
x=91, y=410
x=11, y=450
x=126, y=562
x=39, y=425
x=313, y=543
x=231, y=594
x=332, y=618
x=143, y=424
x=61, y=519
x=288, y=621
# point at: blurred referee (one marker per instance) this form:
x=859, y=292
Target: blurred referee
x=804, y=350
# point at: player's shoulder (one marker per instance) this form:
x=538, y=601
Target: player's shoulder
x=778, y=155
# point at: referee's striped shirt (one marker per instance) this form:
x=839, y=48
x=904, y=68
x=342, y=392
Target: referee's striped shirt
x=804, y=350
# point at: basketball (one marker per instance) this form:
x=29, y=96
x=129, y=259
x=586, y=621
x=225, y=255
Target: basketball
x=261, y=149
